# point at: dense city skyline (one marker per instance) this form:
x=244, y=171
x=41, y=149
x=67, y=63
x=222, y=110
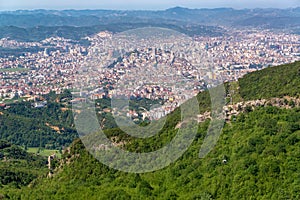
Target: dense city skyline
x=138, y=5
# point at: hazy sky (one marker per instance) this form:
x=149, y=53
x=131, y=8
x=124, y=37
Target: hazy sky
x=143, y=4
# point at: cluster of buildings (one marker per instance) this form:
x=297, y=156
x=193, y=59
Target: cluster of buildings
x=244, y=51
x=7, y=43
x=171, y=75
x=39, y=73
x=150, y=73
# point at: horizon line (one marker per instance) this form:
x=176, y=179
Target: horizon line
x=165, y=9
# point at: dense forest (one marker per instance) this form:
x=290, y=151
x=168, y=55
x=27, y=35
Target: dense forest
x=256, y=157
x=277, y=81
x=261, y=149
x=48, y=127
x=17, y=167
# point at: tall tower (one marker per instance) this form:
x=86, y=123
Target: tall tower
x=46, y=52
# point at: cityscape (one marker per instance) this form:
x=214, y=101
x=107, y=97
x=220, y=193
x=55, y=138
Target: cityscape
x=200, y=102
x=56, y=65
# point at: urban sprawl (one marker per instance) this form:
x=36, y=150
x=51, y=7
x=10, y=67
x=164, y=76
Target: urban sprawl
x=141, y=73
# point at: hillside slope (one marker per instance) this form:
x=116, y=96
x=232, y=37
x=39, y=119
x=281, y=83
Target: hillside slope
x=17, y=167
x=261, y=149
x=277, y=81
x=256, y=157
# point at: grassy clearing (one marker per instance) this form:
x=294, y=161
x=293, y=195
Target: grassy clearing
x=44, y=152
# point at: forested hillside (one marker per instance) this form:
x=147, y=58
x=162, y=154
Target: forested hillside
x=17, y=167
x=261, y=149
x=48, y=127
x=277, y=81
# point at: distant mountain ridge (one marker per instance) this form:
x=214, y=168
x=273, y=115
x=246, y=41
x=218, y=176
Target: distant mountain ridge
x=36, y=25
x=216, y=16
